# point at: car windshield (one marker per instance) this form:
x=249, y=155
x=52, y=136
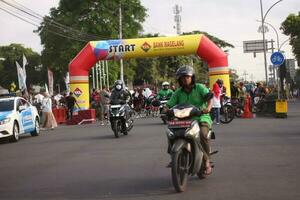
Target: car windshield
x=6, y=105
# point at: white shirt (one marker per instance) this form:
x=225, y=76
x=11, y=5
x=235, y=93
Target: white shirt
x=47, y=104
x=39, y=98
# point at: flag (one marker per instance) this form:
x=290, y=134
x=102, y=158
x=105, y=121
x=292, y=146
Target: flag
x=24, y=64
x=21, y=77
x=46, y=88
x=50, y=81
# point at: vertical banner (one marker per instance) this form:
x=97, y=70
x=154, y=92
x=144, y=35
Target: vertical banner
x=46, y=88
x=21, y=77
x=24, y=66
x=50, y=81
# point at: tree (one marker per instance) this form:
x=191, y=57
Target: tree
x=157, y=70
x=36, y=74
x=291, y=27
x=74, y=22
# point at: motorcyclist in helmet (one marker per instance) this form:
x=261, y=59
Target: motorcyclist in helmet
x=120, y=95
x=165, y=92
x=198, y=95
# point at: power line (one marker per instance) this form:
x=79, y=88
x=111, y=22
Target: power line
x=9, y=12
x=51, y=22
x=51, y=31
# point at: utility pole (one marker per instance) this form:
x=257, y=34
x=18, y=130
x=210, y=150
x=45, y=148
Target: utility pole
x=103, y=73
x=120, y=36
x=93, y=74
x=97, y=75
x=177, y=10
x=100, y=74
x=264, y=41
x=107, y=78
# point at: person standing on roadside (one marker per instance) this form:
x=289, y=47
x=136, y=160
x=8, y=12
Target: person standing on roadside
x=49, y=120
x=104, y=105
x=216, y=103
x=70, y=101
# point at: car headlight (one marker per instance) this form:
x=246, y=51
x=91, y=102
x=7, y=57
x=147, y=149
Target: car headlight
x=5, y=121
x=194, y=130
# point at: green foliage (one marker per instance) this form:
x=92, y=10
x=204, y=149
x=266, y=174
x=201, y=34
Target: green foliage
x=217, y=41
x=291, y=27
x=89, y=20
x=157, y=70
x=99, y=20
x=8, y=70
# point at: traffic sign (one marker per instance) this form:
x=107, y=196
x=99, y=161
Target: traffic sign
x=277, y=58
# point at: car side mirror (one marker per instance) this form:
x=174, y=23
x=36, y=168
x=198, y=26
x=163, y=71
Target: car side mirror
x=21, y=108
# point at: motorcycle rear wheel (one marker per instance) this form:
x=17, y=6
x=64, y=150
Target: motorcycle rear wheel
x=180, y=161
x=239, y=112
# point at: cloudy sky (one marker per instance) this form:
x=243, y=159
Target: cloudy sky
x=231, y=20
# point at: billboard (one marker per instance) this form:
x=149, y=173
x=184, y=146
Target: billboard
x=254, y=46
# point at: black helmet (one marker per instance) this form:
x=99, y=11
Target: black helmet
x=120, y=83
x=185, y=70
x=220, y=81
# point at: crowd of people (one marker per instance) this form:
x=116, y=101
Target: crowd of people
x=141, y=98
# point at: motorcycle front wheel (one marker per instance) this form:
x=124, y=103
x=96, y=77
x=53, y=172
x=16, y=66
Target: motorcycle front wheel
x=116, y=127
x=227, y=114
x=180, y=162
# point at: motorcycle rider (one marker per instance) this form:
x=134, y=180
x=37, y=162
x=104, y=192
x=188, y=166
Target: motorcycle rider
x=198, y=95
x=120, y=95
x=165, y=92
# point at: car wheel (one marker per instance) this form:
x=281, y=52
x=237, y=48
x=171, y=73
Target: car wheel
x=15, y=136
x=36, y=131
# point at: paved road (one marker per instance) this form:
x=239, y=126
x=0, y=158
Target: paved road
x=258, y=159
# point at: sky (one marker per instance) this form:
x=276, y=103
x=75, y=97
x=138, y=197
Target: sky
x=234, y=21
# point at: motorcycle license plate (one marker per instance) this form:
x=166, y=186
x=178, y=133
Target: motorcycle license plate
x=179, y=124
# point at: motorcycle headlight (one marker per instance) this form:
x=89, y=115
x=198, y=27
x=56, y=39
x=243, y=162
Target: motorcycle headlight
x=194, y=130
x=4, y=121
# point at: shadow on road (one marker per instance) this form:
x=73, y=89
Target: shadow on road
x=122, y=189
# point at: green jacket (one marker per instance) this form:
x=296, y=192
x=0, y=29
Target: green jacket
x=195, y=97
x=165, y=93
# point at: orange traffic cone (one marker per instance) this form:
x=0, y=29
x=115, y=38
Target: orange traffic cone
x=247, y=113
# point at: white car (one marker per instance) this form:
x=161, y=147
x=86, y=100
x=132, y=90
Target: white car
x=18, y=116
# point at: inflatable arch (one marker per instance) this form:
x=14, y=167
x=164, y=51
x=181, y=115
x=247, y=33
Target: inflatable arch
x=145, y=47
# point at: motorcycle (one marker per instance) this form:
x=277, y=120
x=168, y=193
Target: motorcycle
x=120, y=120
x=227, y=111
x=238, y=106
x=161, y=104
x=184, y=145
x=163, y=116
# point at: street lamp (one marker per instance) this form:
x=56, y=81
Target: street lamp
x=263, y=18
x=277, y=36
